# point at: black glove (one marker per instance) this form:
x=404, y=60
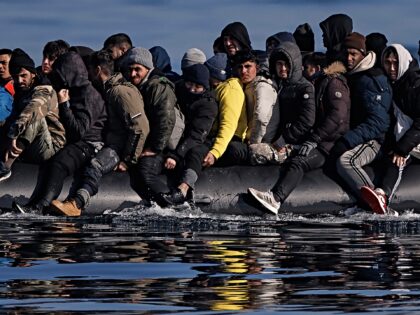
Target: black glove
x=306, y=148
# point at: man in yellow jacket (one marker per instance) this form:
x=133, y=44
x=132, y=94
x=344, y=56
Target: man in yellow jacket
x=232, y=121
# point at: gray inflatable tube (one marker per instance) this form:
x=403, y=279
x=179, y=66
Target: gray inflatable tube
x=223, y=191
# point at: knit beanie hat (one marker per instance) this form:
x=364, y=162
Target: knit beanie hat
x=138, y=55
x=197, y=73
x=20, y=59
x=217, y=66
x=357, y=41
x=192, y=57
x=305, y=37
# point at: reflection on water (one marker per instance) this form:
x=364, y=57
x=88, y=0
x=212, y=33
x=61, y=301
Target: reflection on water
x=158, y=265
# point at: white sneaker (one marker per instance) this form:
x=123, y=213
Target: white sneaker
x=266, y=199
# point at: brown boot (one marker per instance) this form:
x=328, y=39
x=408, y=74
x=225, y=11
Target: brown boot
x=67, y=208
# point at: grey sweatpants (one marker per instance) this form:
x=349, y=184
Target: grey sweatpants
x=350, y=165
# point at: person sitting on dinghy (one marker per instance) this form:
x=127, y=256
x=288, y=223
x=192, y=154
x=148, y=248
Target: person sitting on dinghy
x=332, y=121
x=404, y=141
x=200, y=108
x=126, y=133
x=35, y=130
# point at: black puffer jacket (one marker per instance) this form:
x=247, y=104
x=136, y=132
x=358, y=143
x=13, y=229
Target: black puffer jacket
x=86, y=117
x=332, y=107
x=296, y=97
x=200, y=113
x=159, y=104
x=407, y=97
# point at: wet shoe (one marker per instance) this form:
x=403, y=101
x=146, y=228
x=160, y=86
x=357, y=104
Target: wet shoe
x=5, y=172
x=376, y=199
x=67, y=208
x=266, y=199
x=29, y=209
x=176, y=197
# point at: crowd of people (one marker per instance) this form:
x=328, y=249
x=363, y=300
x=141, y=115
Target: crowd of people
x=86, y=113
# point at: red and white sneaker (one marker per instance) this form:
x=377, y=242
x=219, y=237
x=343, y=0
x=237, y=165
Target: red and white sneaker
x=376, y=199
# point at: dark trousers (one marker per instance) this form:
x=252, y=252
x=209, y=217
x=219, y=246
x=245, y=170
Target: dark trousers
x=145, y=177
x=103, y=163
x=53, y=173
x=392, y=175
x=293, y=170
x=236, y=153
x=195, y=156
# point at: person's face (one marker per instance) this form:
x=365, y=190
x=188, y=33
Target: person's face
x=4, y=66
x=247, y=71
x=194, y=88
x=391, y=66
x=309, y=70
x=354, y=56
x=47, y=62
x=23, y=80
x=282, y=69
x=232, y=46
x=136, y=73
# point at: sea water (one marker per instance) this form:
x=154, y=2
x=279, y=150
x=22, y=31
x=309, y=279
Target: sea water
x=162, y=261
x=182, y=261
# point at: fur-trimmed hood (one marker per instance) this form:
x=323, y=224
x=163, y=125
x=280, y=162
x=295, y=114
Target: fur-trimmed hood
x=335, y=69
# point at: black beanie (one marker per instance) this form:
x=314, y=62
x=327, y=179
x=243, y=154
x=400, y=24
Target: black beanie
x=20, y=59
x=199, y=74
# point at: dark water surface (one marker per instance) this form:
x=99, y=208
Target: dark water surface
x=179, y=264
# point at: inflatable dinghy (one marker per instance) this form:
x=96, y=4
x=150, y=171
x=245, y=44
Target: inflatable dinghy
x=223, y=191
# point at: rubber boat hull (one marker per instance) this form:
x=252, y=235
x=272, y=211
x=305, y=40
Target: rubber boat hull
x=223, y=191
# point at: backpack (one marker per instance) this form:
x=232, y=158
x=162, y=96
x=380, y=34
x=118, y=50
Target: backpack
x=178, y=130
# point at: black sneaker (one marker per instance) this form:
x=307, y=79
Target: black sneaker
x=32, y=209
x=175, y=197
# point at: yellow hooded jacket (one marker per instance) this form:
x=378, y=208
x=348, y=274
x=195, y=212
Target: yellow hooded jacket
x=232, y=115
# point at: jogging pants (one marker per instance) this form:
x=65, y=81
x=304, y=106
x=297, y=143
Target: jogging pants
x=350, y=165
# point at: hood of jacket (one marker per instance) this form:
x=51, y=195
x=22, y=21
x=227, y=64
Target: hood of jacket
x=404, y=58
x=239, y=32
x=335, y=28
x=367, y=63
x=71, y=68
x=334, y=69
x=280, y=37
x=294, y=57
x=161, y=59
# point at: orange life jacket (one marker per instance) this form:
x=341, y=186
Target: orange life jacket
x=9, y=88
